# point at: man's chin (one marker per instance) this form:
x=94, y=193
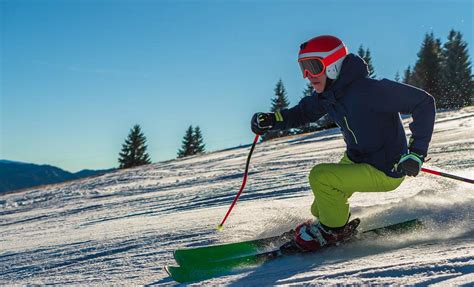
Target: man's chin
x=318, y=89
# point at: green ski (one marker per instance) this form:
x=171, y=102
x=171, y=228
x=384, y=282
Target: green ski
x=196, y=256
x=199, y=267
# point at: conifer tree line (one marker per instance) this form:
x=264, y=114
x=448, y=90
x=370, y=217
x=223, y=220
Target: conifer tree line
x=365, y=54
x=444, y=71
x=193, y=142
x=134, y=149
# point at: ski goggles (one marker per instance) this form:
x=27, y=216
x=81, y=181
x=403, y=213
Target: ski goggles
x=313, y=67
x=315, y=64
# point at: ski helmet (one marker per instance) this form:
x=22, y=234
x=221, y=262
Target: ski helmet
x=322, y=54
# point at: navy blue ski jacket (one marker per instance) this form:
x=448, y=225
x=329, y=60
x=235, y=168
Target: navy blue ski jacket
x=367, y=112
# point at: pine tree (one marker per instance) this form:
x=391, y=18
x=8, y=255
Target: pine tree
x=407, y=76
x=361, y=52
x=397, y=77
x=366, y=55
x=187, y=147
x=134, y=149
x=308, y=90
x=457, y=81
x=427, y=71
x=280, y=101
x=368, y=60
x=198, y=141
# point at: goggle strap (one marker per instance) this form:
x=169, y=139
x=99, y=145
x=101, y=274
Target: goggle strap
x=328, y=60
x=335, y=56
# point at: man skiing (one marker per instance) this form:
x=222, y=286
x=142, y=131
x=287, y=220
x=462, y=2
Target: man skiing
x=377, y=157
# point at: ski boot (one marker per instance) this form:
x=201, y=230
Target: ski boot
x=312, y=236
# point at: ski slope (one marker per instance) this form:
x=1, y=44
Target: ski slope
x=121, y=228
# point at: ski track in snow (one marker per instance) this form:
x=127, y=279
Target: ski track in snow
x=121, y=228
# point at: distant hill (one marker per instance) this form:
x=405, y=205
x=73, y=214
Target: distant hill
x=18, y=175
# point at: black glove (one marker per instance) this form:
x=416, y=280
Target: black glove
x=262, y=122
x=410, y=164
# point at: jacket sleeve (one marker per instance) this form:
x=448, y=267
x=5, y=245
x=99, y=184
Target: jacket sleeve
x=309, y=109
x=397, y=97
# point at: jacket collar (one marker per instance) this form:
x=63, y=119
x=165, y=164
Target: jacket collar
x=353, y=68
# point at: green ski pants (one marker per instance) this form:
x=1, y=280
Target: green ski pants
x=334, y=183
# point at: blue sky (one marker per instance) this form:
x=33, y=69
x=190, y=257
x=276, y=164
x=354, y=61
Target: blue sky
x=77, y=75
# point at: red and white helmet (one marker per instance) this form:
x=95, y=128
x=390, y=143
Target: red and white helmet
x=322, y=54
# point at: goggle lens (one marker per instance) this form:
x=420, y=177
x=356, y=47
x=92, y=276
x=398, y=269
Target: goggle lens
x=313, y=67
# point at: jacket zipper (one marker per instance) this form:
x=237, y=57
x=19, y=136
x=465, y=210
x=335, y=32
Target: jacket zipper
x=352, y=132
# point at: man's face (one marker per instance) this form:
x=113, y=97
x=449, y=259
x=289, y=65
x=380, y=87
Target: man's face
x=318, y=83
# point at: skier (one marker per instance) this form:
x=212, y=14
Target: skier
x=377, y=156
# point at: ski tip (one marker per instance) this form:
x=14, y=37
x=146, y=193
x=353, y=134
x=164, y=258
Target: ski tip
x=167, y=270
x=354, y=222
x=176, y=257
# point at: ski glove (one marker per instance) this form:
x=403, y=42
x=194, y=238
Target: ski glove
x=410, y=164
x=262, y=122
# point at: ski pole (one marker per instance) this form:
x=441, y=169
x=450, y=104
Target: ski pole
x=447, y=175
x=244, y=181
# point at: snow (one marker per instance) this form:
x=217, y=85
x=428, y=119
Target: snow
x=121, y=228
